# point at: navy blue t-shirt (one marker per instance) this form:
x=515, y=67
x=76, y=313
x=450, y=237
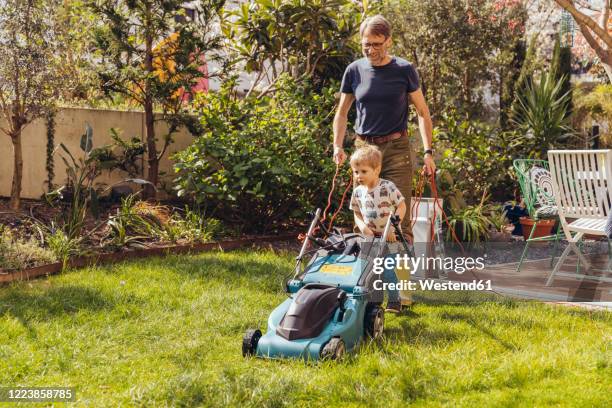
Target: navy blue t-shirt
x=381, y=94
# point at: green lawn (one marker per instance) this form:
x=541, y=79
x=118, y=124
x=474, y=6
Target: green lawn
x=167, y=332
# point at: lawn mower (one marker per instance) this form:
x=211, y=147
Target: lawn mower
x=332, y=304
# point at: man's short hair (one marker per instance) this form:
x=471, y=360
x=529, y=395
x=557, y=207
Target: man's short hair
x=378, y=25
x=367, y=155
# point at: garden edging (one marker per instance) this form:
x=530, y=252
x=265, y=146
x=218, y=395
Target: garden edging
x=109, y=258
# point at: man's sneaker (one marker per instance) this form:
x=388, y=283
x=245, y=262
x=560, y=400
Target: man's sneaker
x=394, y=307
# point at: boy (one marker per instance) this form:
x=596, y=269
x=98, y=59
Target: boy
x=373, y=201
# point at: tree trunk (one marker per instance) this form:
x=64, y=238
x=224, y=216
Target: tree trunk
x=608, y=66
x=151, y=149
x=148, y=108
x=433, y=87
x=17, y=171
x=467, y=92
x=502, y=99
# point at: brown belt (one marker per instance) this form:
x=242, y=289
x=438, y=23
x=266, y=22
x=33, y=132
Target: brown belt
x=382, y=139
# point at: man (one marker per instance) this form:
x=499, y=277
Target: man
x=382, y=86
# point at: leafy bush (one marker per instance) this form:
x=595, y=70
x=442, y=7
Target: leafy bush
x=306, y=38
x=81, y=173
x=261, y=160
x=18, y=253
x=460, y=48
x=475, y=158
x=124, y=155
x=594, y=104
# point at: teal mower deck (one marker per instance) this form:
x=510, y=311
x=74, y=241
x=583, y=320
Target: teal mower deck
x=331, y=304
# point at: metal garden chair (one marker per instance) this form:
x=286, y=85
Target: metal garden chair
x=582, y=186
x=537, y=192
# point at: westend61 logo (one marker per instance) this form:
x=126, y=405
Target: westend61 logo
x=459, y=264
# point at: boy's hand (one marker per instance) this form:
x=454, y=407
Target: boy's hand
x=367, y=232
x=391, y=237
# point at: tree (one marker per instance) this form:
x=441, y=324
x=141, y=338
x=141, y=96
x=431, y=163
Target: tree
x=459, y=47
x=307, y=39
x=596, y=33
x=561, y=66
x=32, y=76
x=152, y=52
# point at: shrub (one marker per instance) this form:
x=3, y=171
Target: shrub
x=475, y=158
x=261, y=160
x=541, y=113
x=593, y=104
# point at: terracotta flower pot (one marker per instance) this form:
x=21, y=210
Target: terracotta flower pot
x=542, y=229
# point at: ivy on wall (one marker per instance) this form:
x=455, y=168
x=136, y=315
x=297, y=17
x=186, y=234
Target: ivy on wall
x=50, y=166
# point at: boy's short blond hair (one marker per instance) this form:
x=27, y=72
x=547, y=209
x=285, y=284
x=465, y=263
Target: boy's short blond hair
x=367, y=155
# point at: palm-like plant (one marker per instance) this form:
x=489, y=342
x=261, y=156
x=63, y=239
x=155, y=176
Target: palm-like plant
x=470, y=223
x=541, y=110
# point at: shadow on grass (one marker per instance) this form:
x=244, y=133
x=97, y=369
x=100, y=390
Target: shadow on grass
x=413, y=331
x=432, y=297
x=212, y=264
x=478, y=326
x=603, y=315
x=231, y=269
x=44, y=305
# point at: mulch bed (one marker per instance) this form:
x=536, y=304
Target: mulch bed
x=281, y=242
x=23, y=222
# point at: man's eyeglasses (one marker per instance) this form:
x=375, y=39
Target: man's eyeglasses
x=376, y=45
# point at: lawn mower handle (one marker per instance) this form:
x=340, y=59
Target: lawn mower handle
x=313, y=224
x=395, y=220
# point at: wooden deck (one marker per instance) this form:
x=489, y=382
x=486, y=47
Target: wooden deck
x=530, y=282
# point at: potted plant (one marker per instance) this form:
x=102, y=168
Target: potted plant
x=542, y=227
x=500, y=229
x=470, y=223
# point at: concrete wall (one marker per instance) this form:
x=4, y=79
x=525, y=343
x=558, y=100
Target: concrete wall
x=70, y=125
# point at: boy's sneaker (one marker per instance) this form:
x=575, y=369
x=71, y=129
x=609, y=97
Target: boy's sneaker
x=393, y=307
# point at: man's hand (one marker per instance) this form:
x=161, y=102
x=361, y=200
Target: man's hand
x=339, y=155
x=430, y=165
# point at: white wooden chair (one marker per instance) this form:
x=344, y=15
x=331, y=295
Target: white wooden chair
x=582, y=186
